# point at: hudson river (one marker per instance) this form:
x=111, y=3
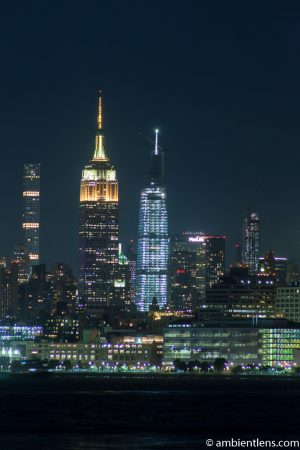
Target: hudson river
x=144, y=412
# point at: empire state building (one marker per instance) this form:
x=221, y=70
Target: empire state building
x=99, y=228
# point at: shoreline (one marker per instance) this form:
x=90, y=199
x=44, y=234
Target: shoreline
x=214, y=377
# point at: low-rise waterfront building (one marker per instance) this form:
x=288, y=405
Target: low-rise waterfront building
x=267, y=342
x=147, y=349
x=19, y=332
x=287, y=302
x=128, y=350
x=66, y=351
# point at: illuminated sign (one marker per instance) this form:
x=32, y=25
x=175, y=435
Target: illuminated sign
x=196, y=239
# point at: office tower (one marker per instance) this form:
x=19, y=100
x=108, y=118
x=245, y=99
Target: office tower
x=99, y=228
x=4, y=292
x=288, y=302
x=31, y=214
x=197, y=262
x=240, y=295
x=215, y=259
x=250, y=243
x=9, y=291
x=20, y=258
x=14, y=290
x=63, y=288
x=273, y=267
x=121, y=292
x=153, y=245
x=35, y=296
x=293, y=272
x=238, y=254
x=187, y=271
x=131, y=256
x=62, y=327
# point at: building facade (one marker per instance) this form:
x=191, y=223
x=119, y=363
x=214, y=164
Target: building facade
x=207, y=343
x=267, y=342
x=31, y=214
x=153, y=243
x=288, y=302
x=293, y=272
x=187, y=271
x=274, y=267
x=251, y=242
x=121, y=292
x=99, y=228
x=35, y=296
x=131, y=256
x=197, y=262
x=138, y=352
x=63, y=289
x=19, y=257
x=215, y=259
x=238, y=296
x=20, y=332
x=5, y=293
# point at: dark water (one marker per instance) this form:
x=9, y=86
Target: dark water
x=78, y=413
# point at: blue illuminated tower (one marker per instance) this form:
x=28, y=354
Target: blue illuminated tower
x=153, y=243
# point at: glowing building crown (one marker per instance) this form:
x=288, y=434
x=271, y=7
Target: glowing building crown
x=99, y=153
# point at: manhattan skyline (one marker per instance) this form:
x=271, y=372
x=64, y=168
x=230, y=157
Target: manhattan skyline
x=230, y=127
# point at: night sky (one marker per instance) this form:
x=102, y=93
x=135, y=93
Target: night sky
x=221, y=80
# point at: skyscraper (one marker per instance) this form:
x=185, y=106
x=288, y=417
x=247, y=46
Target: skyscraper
x=122, y=299
x=215, y=259
x=240, y=295
x=20, y=258
x=250, y=242
x=273, y=267
x=4, y=292
x=99, y=227
x=153, y=244
x=131, y=256
x=197, y=262
x=63, y=288
x=187, y=271
x=31, y=214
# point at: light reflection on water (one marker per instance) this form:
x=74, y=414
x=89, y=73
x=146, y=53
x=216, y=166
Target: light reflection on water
x=100, y=442
x=130, y=414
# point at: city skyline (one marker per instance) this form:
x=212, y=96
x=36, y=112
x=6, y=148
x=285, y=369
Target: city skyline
x=235, y=124
x=150, y=235
x=230, y=251
x=99, y=149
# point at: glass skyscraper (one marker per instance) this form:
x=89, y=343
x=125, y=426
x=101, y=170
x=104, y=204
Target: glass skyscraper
x=197, y=262
x=99, y=228
x=153, y=243
x=187, y=271
x=31, y=214
x=250, y=243
x=215, y=259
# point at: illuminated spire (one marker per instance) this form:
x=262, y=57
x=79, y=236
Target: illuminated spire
x=99, y=153
x=156, y=142
x=100, y=111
